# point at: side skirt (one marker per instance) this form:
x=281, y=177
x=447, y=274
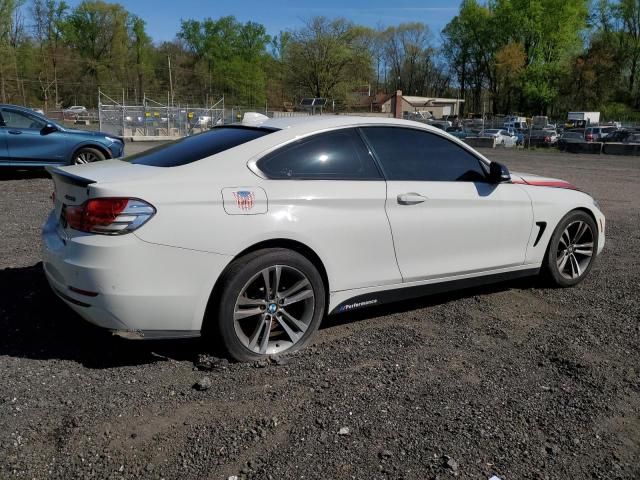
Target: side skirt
x=406, y=293
x=155, y=334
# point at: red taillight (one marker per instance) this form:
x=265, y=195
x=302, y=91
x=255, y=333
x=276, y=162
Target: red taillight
x=547, y=139
x=109, y=216
x=589, y=137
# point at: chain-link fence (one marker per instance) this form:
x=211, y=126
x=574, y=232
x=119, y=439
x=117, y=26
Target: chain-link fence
x=154, y=119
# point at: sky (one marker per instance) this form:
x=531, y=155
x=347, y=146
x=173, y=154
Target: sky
x=163, y=16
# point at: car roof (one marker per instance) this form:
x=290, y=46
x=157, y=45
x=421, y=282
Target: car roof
x=28, y=110
x=17, y=107
x=313, y=123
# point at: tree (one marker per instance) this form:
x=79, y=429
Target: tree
x=551, y=34
x=531, y=41
x=408, y=50
x=97, y=32
x=11, y=36
x=49, y=20
x=457, y=48
x=230, y=56
x=510, y=62
x=470, y=42
x=141, y=51
x=628, y=13
x=327, y=57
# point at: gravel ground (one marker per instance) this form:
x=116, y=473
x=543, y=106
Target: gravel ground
x=514, y=380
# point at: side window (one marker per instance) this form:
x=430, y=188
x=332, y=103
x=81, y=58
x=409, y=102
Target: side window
x=16, y=119
x=337, y=155
x=409, y=154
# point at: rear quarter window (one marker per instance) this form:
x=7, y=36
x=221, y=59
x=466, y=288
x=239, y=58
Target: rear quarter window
x=191, y=149
x=335, y=155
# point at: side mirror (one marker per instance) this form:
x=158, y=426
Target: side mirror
x=48, y=128
x=498, y=173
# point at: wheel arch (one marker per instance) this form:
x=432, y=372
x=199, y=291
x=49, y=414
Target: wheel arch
x=287, y=243
x=588, y=212
x=95, y=146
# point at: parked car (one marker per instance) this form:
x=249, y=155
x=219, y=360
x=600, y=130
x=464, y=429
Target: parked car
x=418, y=116
x=595, y=134
x=75, y=110
x=458, y=132
x=622, y=136
x=502, y=137
x=28, y=139
x=570, y=137
x=441, y=124
x=545, y=138
x=263, y=229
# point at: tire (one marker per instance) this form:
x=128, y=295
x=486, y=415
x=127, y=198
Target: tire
x=249, y=326
x=572, y=249
x=87, y=155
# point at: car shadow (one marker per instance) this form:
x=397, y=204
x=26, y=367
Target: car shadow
x=22, y=174
x=36, y=324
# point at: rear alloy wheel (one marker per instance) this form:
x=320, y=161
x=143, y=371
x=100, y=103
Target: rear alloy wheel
x=87, y=155
x=572, y=249
x=272, y=303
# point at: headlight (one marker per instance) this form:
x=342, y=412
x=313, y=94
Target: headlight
x=112, y=140
x=595, y=202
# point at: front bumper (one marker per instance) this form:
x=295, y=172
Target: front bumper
x=124, y=284
x=116, y=149
x=601, y=224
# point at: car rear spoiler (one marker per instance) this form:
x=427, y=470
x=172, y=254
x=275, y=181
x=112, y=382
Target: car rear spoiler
x=69, y=178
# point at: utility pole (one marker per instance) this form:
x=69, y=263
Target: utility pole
x=170, y=80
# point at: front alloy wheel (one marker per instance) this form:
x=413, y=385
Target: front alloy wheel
x=572, y=249
x=87, y=155
x=271, y=302
x=575, y=250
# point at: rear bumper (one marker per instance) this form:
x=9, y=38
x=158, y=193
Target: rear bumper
x=124, y=284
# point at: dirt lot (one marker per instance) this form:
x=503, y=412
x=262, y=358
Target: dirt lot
x=515, y=380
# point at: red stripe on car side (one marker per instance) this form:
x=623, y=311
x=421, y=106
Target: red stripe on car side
x=546, y=183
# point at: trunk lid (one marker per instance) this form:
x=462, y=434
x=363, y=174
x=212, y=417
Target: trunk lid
x=73, y=185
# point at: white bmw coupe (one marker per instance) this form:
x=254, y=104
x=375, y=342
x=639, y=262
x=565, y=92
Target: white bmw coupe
x=253, y=233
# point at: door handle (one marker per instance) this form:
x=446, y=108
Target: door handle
x=410, y=198
x=15, y=132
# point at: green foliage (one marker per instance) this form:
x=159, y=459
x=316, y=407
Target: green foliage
x=326, y=58
x=229, y=57
x=548, y=33
x=505, y=56
x=619, y=112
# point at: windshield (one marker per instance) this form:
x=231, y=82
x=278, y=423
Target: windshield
x=194, y=148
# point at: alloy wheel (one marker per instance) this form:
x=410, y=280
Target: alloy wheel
x=85, y=157
x=575, y=250
x=274, y=310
